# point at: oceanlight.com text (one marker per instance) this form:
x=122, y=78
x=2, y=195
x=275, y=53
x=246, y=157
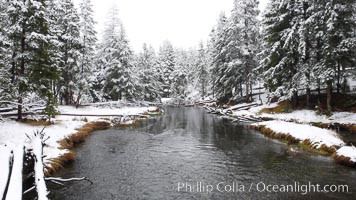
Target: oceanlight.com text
x=225, y=187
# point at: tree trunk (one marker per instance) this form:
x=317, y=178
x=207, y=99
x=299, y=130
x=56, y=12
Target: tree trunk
x=318, y=89
x=78, y=100
x=251, y=91
x=308, y=98
x=338, y=79
x=20, y=74
x=344, y=86
x=19, y=109
x=71, y=97
x=329, y=95
x=13, y=67
x=247, y=93
x=66, y=96
x=295, y=98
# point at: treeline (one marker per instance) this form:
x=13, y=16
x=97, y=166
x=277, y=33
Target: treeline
x=49, y=51
x=46, y=50
x=302, y=45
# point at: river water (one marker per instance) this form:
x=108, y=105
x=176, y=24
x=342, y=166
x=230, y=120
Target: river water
x=189, y=154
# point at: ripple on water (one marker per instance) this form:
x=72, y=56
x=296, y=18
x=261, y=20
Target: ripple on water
x=187, y=145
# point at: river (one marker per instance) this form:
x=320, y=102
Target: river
x=190, y=154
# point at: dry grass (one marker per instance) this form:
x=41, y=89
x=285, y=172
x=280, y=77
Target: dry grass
x=79, y=137
x=320, y=124
x=36, y=122
x=70, y=142
x=283, y=107
x=134, y=124
x=343, y=160
x=83, y=132
x=306, y=144
x=349, y=127
x=270, y=133
x=58, y=163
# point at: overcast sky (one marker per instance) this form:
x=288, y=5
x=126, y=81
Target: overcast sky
x=183, y=22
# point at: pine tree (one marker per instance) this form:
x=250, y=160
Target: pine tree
x=166, y=68
x=66, y=23
x=243, y=44
x=219, y=61
x=339, y=43
x=280, y=55
x=116, y=61
x=202, y=70
x=26, y=32
x=179, y=75
x=147, y=66
x=42, y=73
x=16, y=29
x=88, y=41
x=6, y=87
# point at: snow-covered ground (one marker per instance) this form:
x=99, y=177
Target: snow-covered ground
x=167, y=100
x=316, y=136
x=13, y=134
x=349, y=152
x=91, y=110
x=300, y=116
x=301, y=129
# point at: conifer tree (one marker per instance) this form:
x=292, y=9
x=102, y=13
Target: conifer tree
x=68, y=34
x=115, y=61
x=88, y=41
x=148, y=77
x=202, y=70
x=166, y=68
x=219, y=61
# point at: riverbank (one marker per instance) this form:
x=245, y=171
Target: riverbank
x=312, y=130
x=68, y=129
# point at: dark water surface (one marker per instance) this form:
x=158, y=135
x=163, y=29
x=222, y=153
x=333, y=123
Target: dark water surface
x=186, y=146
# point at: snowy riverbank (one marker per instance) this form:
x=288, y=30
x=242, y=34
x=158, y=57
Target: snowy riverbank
x=13, y=134
x=317, y=138
x=298, y=126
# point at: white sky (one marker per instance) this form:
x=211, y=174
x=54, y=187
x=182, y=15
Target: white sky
x=183, y=22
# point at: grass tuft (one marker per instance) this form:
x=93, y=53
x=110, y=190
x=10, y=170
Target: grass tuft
x=56, y=164
x=306, y=144
x=36, y=122
x=283, y=107
x=343, y=160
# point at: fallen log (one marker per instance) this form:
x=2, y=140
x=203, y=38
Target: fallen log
x=41, y=188
x=15, y=186
x=245, y=106
x=57, y=179
x=95, y=115
x=6, y=159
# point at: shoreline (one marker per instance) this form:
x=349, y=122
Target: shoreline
x=256, y=120
x=70, y=142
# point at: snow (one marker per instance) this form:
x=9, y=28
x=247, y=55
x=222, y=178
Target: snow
x=91, y=110
x=306, y=116
x=300, y=116
x=347, y=151
x=14, y=133
x=166, y=100
x=41, y=187
x=5, y=154
x=317, y=136
x=15, y=187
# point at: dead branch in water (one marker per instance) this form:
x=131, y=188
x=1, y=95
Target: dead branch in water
x=68, y=179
